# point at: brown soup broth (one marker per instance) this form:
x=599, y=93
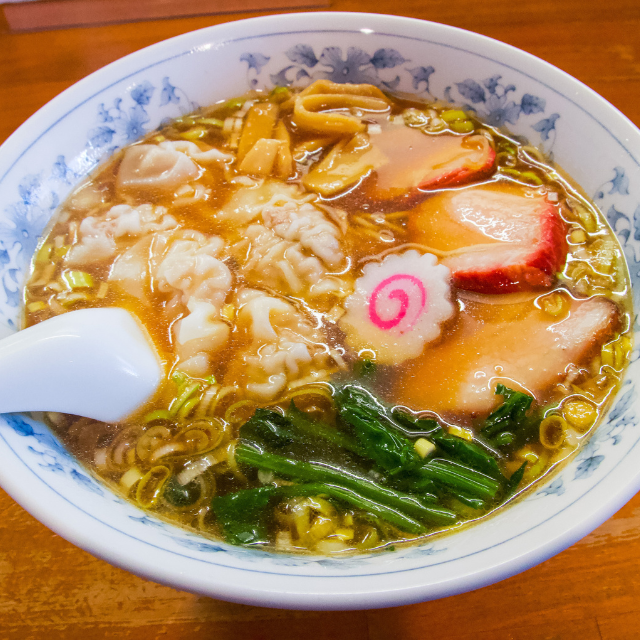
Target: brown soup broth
x=178, y=452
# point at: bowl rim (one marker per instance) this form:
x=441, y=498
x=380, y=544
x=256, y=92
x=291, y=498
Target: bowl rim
x=80, y=529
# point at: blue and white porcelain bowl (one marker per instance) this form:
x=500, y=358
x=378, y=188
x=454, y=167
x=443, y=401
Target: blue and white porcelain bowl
x=57, y=147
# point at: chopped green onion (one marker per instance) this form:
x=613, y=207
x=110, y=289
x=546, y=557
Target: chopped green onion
x=67, y=299
x=511, y=172
x=234, y=104
x=33, y=307
x=452, y=115
x=279, y=94
x=527, y=176
x=509, y=149
x=44, y=253
x=61, y=252
x=130, y=477
x=78, y=279
x=178, y=377
x=531, y=177
x=424, y=447
x=504, y=439
x=212, y=122
x=414, y=118
x=194, y=134
x=187, y=121
x=150, y=487
x=188, y=407
x=211, y=379
x=186, y=392
x=158, y=414
x=462, y=126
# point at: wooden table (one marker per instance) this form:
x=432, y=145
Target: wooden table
x=50, y=589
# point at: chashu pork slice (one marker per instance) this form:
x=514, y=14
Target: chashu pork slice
x=405, y=163
x=530, y=351
x=417, y=161
x=502, y=238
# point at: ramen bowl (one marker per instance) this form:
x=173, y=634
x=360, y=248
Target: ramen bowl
x=55, y=149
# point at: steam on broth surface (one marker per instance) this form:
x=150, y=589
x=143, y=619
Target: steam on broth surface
x=380, y=319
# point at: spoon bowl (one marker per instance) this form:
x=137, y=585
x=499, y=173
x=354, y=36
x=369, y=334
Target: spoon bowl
x=96, y=363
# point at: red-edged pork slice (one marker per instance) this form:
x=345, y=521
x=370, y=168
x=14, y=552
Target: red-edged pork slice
x=517, y=345
x=419, y=161
x=503, y=238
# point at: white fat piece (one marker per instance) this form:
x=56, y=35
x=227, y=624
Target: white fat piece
x=310, y=227
x=284, y=346
x=149, y=167
x=190, y=267
x=248, y=202
x=194, y=151
x=99, y=235
x=294, y=249
x=260, y=312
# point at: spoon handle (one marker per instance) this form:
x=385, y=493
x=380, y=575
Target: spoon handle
x=96, y=363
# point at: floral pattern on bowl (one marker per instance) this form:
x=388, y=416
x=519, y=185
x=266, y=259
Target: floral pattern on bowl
x=489, y=98
x=117, y=124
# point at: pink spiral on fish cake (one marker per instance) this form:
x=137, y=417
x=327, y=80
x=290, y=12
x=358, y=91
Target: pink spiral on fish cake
x=408, y=291
x=397, y=306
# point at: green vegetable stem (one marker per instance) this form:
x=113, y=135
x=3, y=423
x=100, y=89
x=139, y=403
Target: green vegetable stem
x=367, y=460
x=324, y=473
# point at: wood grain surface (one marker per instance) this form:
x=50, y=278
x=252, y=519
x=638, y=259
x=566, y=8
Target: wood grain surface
x=49, y=14
x=50, y=589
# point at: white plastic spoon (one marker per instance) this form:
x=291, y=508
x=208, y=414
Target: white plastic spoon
x=96, y=363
